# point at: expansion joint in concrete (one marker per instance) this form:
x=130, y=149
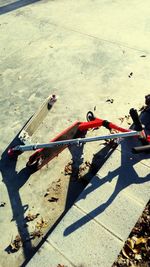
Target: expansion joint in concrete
x=50, y=243
x=102, y=225
x=100, y=39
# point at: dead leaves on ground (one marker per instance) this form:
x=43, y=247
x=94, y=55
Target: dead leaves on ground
x=41, y=224
x=125, y=118
x=53, y=192
x=53, y=199
x=135, y=247
x=110, y=100
x=36, y=233
x=68, y=168
x=136, y=251
x=38, y=228
x=16, y=244
x=75, y=171
x=30, y=217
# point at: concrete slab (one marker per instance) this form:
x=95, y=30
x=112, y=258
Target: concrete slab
x=115, y=211
x=85, y=246
x=60, y=44
x=123, y=23
x=51, y=257
x=127, y=174
x=126, y=148
x=105, y=210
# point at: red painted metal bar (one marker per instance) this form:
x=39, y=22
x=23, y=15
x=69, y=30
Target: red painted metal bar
x=98, y=123
x=43, y=155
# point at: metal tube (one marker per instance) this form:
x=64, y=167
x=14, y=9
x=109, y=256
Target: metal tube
x=77, y=141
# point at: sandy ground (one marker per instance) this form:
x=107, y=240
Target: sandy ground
x=68, y=49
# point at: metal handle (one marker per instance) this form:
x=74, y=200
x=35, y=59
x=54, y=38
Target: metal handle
x=141, y=149
x=77, y=141
x=136, y=119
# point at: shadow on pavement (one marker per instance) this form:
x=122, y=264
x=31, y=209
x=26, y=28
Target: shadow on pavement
x=76, y=186
x=18, y=4
x=13, y=181
x=125, y=175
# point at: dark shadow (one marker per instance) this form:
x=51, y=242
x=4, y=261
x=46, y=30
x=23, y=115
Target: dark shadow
x=18, y=4
x=76, y=185
x=125, y=175
x=13, y=181
x=79, y=180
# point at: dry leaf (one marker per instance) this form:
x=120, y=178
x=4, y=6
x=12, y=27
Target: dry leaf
x=138, y=257
x=42, y=224
x=87, y=163
x=68, y=169
x=16, y=244
x=36, y=233
x=141, y=240
x=121, y=119
x=126, y=251
x=130, y=243
x=46, y=194
x=53, y=199
x=30, y=217
x=110, y=100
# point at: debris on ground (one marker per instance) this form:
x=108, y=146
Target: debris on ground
x=68, y=168
x=38, y=229
x=75, y=171
x=87, y=163
x=30, y=217
x=42, y=224
x=136, y=250
x=53, y=191
x=110, y=100
x=16, y=244
x=130, y=75
x=125, y=118
x=46, y=194
x=60, y=265
x=2, y=204
x=53, y=199
x=36, y=233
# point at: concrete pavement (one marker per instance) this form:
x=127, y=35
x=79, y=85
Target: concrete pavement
x=86, y=51
x=93, y=232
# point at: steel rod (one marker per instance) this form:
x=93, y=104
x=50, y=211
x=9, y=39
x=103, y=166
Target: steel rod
x=77, y=141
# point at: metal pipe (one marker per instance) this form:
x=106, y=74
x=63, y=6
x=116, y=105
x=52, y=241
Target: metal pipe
x=77, y=141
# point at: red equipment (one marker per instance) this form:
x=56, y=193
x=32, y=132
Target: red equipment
x=46, y=152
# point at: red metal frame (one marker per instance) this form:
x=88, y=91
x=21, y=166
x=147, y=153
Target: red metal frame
x=44, y=155
x=40, y=157
x=98, y=123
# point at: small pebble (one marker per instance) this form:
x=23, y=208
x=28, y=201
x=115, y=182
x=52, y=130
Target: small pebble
x=131, y=74
x=2, y=204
